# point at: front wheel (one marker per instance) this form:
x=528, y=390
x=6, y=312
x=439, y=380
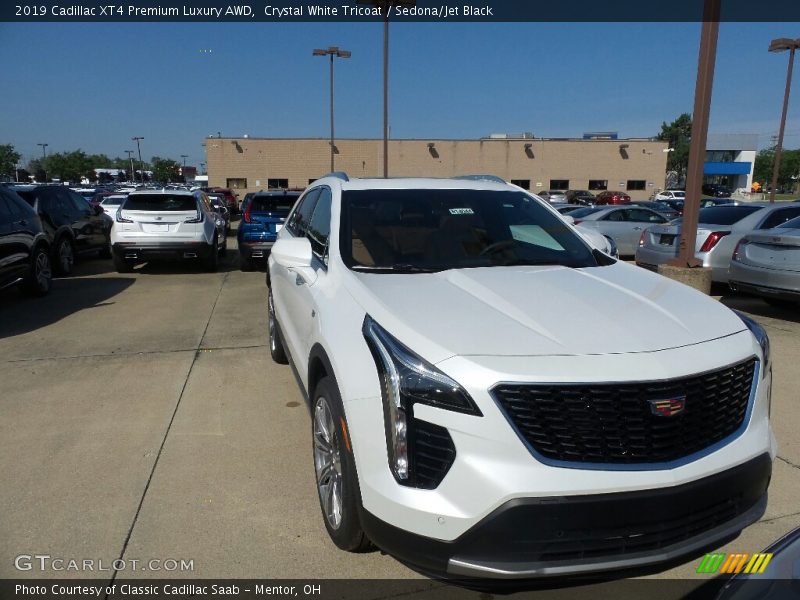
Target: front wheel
x=334, y=467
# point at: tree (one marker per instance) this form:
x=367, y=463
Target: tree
x=36, y=168
x=788, y=173
x=679, y=136
x=70, y=166
x=165, y=169
x=8, y=160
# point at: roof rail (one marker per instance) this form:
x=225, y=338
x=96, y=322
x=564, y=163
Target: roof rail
x=339, y=175
x=484, y=177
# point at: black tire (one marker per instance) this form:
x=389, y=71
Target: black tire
x=105, y=251
x=212, y=262
x=122, y=265
x=40, y=275
x=336, y=469
x=245, y=262
x=276, y=348
x=63, y=256
x=782, y=303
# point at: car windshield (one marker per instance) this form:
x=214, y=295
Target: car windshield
x=433, y=230
x=160, y=202
x=271, y=204
x=113, y=200
x=722, y=215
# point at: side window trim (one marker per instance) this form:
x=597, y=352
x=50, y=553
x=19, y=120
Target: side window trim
x=323, y=258
x=294, y=216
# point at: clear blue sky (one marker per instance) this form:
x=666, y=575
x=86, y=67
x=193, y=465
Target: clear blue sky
x=93, y=86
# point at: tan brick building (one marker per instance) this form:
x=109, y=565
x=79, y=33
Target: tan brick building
x=636, y=166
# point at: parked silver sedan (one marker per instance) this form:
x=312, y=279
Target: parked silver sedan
x=719, y=230
x=624, y=224
x=767, y=264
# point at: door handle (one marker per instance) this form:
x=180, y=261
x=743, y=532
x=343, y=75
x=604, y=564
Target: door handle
x=637, y=228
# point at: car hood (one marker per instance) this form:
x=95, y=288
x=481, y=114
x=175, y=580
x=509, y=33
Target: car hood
x=540, y=311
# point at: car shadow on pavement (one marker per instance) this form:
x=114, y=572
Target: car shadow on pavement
x=21, y=314
x=757, y=306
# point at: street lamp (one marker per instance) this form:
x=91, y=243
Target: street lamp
x=141, y=164
x=333, y=51
x=779, y=45
x=183, y=172
x=130, y=158
x=385, y=7
x=44, y=157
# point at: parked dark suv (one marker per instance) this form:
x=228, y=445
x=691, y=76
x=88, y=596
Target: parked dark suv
x=24, y=249
x=72, y=225
x=584, y=197
x=716, y=190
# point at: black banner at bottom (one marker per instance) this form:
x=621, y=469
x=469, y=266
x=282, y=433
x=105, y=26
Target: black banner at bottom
x=410, y=589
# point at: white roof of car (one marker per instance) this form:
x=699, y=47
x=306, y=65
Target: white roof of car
x=413, y=183
x=162, y=191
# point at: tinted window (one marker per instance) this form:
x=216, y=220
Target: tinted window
x=319, y=228
x=780, y=216
x=793, y=224
x=616, y=215
x=160, y=202
x=644, y=216
x=113, y=201
x=271, y=204
x=298, y=222
x=5, y=210
x=18, y=208
x=725, y=215
x=582, y=212
x=413, y=230
x=79, y=203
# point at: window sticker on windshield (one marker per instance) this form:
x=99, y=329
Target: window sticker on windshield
x=462, y=211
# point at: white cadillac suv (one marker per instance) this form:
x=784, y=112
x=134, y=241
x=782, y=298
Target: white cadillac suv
x=491, y=397
x=167, y=224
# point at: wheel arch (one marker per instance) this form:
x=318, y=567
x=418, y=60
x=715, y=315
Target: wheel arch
x=319, y=366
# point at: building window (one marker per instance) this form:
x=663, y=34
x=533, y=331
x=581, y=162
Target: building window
x=277, y=183
x=636, y=184
x=525, y=184
x=559, y=184
x=237, y=183
x=598, y=184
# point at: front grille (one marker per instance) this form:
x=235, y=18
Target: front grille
x=432, y=453
x=614, y=423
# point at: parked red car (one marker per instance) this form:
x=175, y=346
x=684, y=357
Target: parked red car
x=609, y=197
x=230, y=198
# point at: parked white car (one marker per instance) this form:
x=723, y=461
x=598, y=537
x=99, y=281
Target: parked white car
x=670, y=195
x=167, y=224
x=462, y=424
x=110, y=204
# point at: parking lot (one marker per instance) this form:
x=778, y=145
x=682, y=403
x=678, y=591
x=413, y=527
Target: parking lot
x=142, y=418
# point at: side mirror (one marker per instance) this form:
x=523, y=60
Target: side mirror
x=295, y=255
x=568, y=219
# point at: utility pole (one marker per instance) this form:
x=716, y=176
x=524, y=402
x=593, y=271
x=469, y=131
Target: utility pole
x=780, y=45
x=44, y=158
x=130, y=158
x=141, y=164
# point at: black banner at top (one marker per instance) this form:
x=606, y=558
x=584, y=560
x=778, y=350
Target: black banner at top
x=403, y=11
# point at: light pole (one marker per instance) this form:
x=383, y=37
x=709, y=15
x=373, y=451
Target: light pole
x=333, y=51
x=130, y=158
x=779, y=45
x=385, y=6
x=697, y=150
x=141, y=164
x=183, y=173
x=44, y=158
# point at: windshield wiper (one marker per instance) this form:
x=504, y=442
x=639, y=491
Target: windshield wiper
x=399, y=268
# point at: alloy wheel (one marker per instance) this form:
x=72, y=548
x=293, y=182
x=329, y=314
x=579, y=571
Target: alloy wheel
x=65, y=256
x=42, y=271
x=327, y=463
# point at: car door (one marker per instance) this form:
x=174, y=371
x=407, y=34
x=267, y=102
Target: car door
x=89, y=227
x=636, y=221
x=289, y=292
x=8, y=259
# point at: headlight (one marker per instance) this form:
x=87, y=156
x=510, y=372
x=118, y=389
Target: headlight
x=407, y=379
x=762, y=338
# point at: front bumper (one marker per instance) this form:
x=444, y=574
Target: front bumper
x=155, y=250
x=571, y=535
